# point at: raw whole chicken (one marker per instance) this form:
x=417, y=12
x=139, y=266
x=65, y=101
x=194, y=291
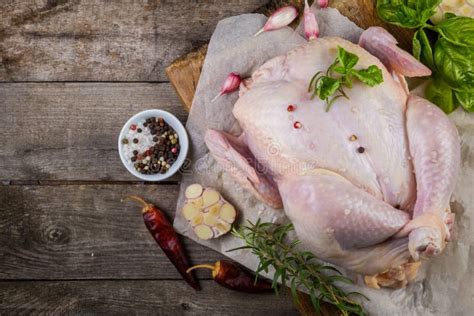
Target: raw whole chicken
x=366, y=184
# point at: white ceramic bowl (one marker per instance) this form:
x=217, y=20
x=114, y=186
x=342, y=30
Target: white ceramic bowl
x=175, y=124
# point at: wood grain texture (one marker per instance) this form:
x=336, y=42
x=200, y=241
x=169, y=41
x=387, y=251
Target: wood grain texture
x=69, y=131
x=100, y=40
x=135, y=297
x=184, y=74
x=85, y=232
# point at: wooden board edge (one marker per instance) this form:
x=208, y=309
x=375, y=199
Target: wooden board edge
x=187, y=69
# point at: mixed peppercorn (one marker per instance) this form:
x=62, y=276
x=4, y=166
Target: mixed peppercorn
x=164, y=149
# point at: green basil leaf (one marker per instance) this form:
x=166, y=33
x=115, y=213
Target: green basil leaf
x=425, y=9
x=456, y=64
x=458, y=30
x=466, y=100
x=399, y=15
x=441, y=94
x=426, y=4
x=340, y=69
x=407, y=13
x=371, y=76
x=422, y=49
x=327, y=86
x=347, y=59
x=449, y=15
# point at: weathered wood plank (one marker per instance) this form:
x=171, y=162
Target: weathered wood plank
x=85, y=232
x=135, y=297
x=100, y=40
x=69, y=131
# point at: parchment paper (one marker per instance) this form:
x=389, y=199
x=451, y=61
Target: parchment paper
x=445, y=285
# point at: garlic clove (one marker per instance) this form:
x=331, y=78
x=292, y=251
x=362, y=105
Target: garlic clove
x=231, y=83
x=203, y=232
x=198, y=203
x=323, y=3
x=227, y=213
x=311, y=27
x=210, y=197
x=215, y=209
x=280, y=18
x=223, y=227
x=210, y=219
x=197, y=220
x=193, y=191
x=190, y=211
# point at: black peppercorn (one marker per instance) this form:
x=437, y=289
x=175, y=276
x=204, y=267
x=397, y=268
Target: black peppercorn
x=361, y=150
x=159, y=157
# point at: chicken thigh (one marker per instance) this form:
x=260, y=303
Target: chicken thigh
x=367, y=184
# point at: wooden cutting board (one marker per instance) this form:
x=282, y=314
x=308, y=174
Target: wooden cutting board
x=184, y=75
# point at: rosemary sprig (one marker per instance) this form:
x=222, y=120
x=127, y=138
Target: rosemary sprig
x=324, y=86
x=296, y=268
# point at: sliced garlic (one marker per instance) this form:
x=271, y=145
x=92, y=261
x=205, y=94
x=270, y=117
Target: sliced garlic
x=228, y=213
x=215, y=209
x=210, y=197
x=203, y=232
x=223, y=227
x=210, y=219
x=198, y=203
x=190, y=211
x=208, y=213
x=193, y=191
x=196, y=220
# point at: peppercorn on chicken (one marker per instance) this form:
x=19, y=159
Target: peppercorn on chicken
x=366, y=184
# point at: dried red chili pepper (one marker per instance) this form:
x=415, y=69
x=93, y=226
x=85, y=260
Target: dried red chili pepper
x=235, y=277
x=167, y=238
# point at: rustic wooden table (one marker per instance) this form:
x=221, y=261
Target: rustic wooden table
x=72, y=72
